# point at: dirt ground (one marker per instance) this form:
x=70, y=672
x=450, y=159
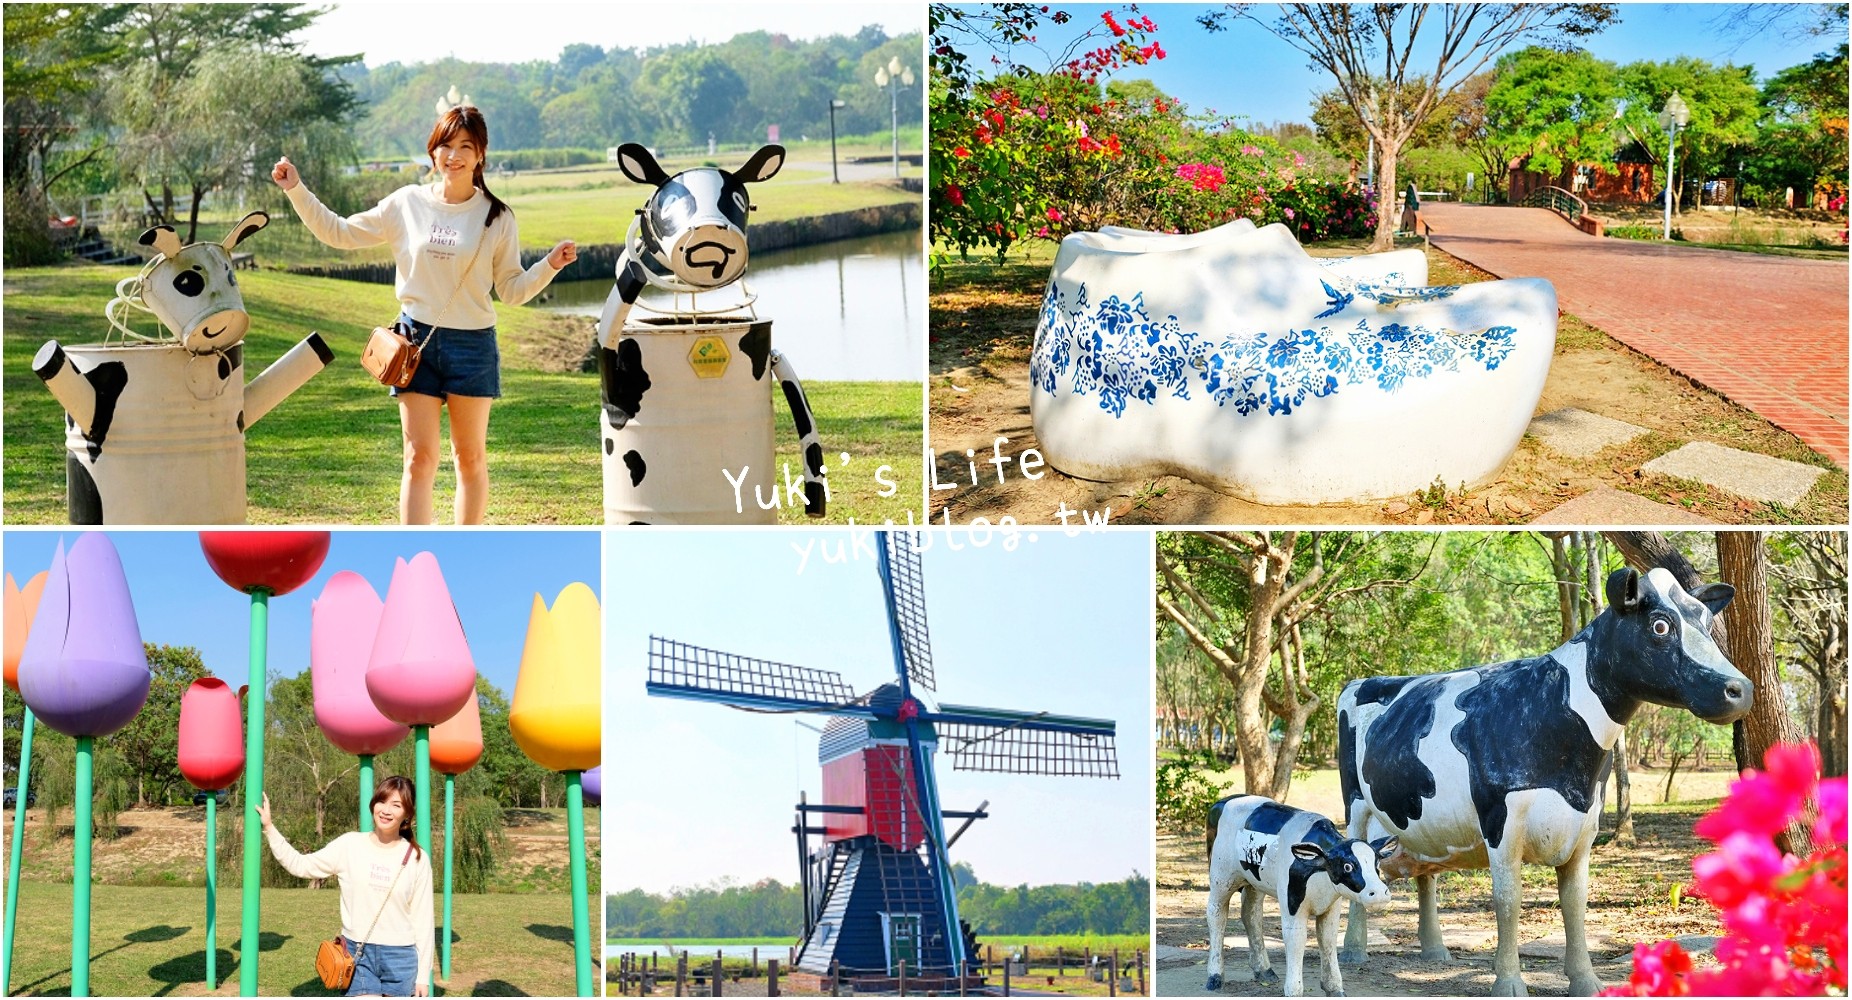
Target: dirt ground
x=1630, y=899
x=982, y=330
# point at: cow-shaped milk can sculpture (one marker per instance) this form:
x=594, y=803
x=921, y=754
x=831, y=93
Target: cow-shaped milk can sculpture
x=154, y=428
x=686, y=419
x=1505, y=765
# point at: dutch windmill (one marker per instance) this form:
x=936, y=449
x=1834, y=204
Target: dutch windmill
x=878, y=890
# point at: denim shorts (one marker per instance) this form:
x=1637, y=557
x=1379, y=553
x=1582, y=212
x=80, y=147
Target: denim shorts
x=384, y=970
x=456, y=362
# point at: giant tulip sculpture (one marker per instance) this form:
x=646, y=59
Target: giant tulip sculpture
x=211, y=758
x=554, y=719
x=83, y=672
x=456, y=746
x=263, y=564
x=343, y=622
x=593, y=786
x=420, y=672
x=21, y=605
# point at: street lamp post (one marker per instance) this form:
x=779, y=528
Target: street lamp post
x=1674, y=117
x=894, y=77
x=835, y=178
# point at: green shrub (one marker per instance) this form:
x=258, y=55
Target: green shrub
x=1184, y=794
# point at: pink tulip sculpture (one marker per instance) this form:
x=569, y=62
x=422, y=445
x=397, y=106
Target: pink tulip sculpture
x=263, y=564
x=84, y=673
x=420, y=672
x=554, y=719
x=456, y=746
x=343, y=623
x=211, y=758
x=21, y=605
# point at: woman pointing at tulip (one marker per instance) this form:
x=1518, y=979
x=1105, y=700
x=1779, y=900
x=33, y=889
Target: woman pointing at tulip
x=453, y=241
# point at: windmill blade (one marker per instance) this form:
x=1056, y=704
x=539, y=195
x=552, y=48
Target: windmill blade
x=1011, y=742
x=679, y=670
x=904, y=585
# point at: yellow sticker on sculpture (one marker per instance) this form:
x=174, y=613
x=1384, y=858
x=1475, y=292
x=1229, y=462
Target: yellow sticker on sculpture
x=708, y=357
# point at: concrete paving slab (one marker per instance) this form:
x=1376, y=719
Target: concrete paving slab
x=1579, y=433
x=1606, y=505
x=1745, y=474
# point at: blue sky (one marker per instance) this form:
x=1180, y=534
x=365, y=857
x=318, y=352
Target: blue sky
x=488, y=32
x=1059, y=624
x=1246, y=71
x=493, y=577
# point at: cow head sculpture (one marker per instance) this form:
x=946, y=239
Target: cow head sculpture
x=1657, y=647
x=1352, y=867
x=192, y=289
x=692, y=231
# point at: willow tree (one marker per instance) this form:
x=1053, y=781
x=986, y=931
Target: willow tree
x=1369, y=49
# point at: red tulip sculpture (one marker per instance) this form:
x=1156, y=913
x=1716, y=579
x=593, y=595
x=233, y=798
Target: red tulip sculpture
x=263, y=564
x=211, y=758
x=21, y=605
x=343, y=623
x=84, y=672
x=420, y=672
x=456, y=746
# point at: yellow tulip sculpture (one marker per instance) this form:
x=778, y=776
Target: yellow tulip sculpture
x=555, y=721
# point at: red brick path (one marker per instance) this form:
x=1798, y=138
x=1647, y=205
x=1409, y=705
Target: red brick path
x=1768, y=332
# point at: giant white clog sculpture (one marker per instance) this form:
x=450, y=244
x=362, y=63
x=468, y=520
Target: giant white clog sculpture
x=1239, y=362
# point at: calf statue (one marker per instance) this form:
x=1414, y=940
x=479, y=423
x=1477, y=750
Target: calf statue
x=1505, y=765
x=687, y=415
x=1299, y=858
x=154, y=429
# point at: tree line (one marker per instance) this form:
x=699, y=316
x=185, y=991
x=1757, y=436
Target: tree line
x=769, y=908
x=168, y=102
x=313, y=785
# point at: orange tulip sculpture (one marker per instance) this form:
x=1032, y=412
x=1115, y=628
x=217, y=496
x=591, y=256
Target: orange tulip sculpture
x=555, y=721
x=21, y=605
x=456, y=746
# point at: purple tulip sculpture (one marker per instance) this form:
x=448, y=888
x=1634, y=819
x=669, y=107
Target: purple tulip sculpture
x=84, y=673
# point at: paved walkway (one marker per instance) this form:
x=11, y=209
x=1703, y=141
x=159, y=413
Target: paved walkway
x=1767, y=332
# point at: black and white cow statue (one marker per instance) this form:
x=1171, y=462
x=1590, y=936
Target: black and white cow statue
x=1259, y=846
x=155, y=427
x=690, y=237
x=1505, y=765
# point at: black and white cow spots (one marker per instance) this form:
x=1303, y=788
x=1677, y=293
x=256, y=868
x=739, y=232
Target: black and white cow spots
x=1503, y=765
x=1261, y=847
x=623, y=380
x=633, y=460
x=756, y=343
x=816, y=488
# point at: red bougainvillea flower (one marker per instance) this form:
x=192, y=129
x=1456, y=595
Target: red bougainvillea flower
x=1159, y=106
x=1111, y=23
x=1762, y=801
x=1054, y=214
x=954, y=194
x=961, y=152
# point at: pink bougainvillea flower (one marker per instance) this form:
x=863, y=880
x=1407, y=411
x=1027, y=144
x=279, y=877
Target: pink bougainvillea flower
x=1743, y=861
x=1289, y=214
x=1054, y=214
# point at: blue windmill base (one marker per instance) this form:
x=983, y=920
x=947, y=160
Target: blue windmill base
x=876, y=905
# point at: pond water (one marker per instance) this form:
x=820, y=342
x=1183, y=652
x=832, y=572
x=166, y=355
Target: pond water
x=847, y=309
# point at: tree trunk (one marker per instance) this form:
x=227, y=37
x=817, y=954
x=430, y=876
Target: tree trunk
x=1565, y=585
x=192, y=222
x=1388, y=204
x=1742, y=560
x=1623, y=794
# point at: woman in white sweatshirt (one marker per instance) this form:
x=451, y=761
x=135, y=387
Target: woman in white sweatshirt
x=453, y=241
x=385, y=879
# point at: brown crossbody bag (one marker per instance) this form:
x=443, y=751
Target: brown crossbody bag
x=332, y=962
x=391, y=356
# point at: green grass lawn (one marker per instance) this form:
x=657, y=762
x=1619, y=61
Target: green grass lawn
x=152, y=942
x=331, y=452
